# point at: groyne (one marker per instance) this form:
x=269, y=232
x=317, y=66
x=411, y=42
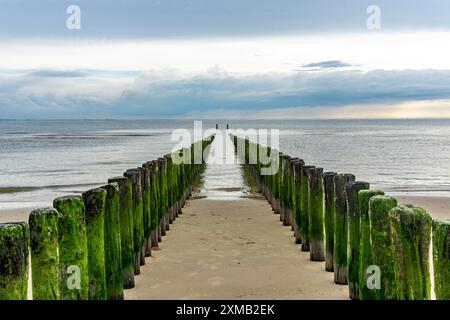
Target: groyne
x=90, y=247
x=378, y=248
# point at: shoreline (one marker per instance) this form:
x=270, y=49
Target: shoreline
x=437, y=206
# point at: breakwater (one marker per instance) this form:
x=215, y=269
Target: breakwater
x=92, y=246
x=378, y=248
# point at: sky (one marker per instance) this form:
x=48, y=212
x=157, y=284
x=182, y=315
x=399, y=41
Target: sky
x=225, y=59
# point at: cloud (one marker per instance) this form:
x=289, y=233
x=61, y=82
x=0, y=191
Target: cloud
x=57, y=74
x=331, y=64
x=168, y=93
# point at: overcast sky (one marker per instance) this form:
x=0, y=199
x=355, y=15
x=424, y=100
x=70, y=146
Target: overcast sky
x=225, y=58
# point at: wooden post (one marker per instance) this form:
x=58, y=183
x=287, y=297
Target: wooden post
x=95, y=204
x=411, y=230
x=138, y=218
x=328, y=183
x=14, y=242
x=145, y=182
x=126, y=229
x=315, y=209
x=113, y=250
x=304, y=211
x=441, y=259
x=44, y=254
x=73, y=249
x=154, y=203
x=298, y=198
x=353, y=252
x=383, y=245
x=340, y=229
x=163, y=204
x=365, y=254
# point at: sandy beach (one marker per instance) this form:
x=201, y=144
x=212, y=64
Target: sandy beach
x=232, y=250
x=236, y=249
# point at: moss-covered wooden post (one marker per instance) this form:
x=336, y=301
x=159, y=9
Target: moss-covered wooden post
x=73, y=248
x=365, y=254
x=425, y=225
x=145, y=182
x=411, y=229
x=328, y=184
x=163, y=204
x=353, y=219
x=298, y=198
x=340, y=229
x=315, y=208
x=113, y=251
x=14, y=243
x=169, y=178
x=44, y=253
x=291, y=197
x=95, y=205
x=138, y=218
x=441, y=259
x=304, y=211
x=154, y=203
x=383, y=245
x=126, y=229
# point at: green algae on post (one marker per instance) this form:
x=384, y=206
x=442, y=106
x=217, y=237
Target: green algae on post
x=411, y=229
x=383, y=245
x=298, y=198
x=328, y=184
x=126, y=229
x=340, y=231
x=365, y=254
x=145, y=182
x=95, y=205
x=14, y=242
x=138, y=218
x=441, y=259
x=304, y=211
x=73, y=249
x=44, y=254
x=315, y=209
x=154, y=203
x=113, y=252
x=353, y=219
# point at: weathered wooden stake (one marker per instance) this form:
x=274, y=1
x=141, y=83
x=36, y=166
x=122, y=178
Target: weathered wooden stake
x=353, y=252
x=365, y=254
x=411, y=229
x=340, y=229
x=304, y=211
x=126, y=229
x=44, y=254
x=14, y=242
x=113, y=250
x=138, y=218
x=73, y=248
x=328, y=183
x=95, y=204
x=441, y=259
x=383, y=245
x=146, y=198
x=315, y=208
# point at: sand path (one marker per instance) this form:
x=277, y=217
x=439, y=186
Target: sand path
x=232, y=250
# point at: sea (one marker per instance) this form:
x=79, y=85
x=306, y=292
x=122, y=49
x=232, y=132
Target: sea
x=44, y=159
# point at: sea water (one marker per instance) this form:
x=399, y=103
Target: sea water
x=43, y=159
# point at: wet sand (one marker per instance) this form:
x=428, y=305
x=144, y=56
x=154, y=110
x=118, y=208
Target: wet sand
x=232, y=250
x=438, y=207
